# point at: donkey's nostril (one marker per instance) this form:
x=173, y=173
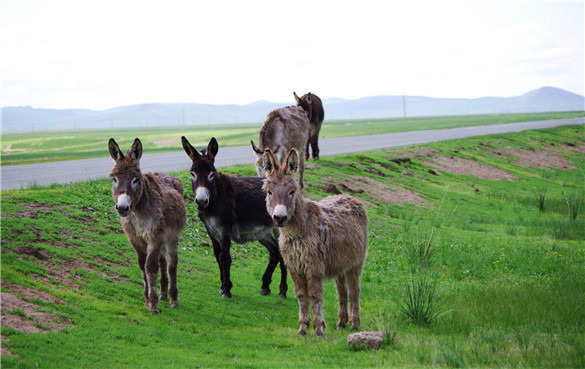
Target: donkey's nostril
x=279, y=219
x=202, y=203
x=123, y=209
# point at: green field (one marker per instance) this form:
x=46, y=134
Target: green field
x=495, y=265
x=46, y=146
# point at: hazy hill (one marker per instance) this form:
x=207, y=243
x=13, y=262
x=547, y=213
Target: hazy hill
x=541, y=100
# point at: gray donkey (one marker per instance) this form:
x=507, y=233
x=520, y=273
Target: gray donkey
x=284, y=129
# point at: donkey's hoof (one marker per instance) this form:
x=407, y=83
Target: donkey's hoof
x=282, y=295
x=264, y=292
x=320, y=331
x=154, y=312
x=226, y=295
x=174, y=304
x=303, y=330
x=163, y=296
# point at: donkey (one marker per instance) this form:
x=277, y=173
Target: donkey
x=314, y=107
x=152, y=213
x=318, y=240
x=233, y=209
x=284, y=129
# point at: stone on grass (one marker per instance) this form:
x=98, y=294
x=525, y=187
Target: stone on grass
x=366, y=339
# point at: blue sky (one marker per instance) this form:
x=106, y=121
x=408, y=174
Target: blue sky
x=103, y=54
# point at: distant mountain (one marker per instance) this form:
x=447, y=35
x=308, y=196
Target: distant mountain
x=544, y=99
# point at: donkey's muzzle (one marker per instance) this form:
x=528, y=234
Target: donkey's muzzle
x=123, y=210
x=123, y=205
x=279, y=220
x=202, y=197
x=201, y=203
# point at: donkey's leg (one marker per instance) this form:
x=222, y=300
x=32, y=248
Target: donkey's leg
x=315, y=285
x=301, y=170
x=302, y=295
x=151, y=268
x=226, y=261
x=315, y=146
x=141, y=263
x=217, y=252
x=353, y=281
x=272, y=262
x=164, y=278
x=341, y=286
x=172, y=261
x=283, y=275
x=307, y=149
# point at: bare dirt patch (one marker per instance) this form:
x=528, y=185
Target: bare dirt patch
x=25, y=316
x=413, y=152
x=469, y=167
x=538, y=159
x=376, y=190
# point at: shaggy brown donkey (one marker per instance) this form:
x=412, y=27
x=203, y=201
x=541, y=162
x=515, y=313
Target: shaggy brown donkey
x=152, y=213
x=318, y=240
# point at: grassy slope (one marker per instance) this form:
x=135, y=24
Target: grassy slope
x=510, y=276
x=46, y=146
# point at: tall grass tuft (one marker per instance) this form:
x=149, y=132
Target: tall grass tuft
x=420, y=300
x=575, y=204
x=419, y=251
x=540, y=193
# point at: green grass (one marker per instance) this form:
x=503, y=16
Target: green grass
x=48, y=146
x=509, y=275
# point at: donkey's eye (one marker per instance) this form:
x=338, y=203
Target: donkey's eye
x=269, y=193
x=211, y=176
x=135, y=181
x=115, y=179
x=291, y=193
x=194, y=176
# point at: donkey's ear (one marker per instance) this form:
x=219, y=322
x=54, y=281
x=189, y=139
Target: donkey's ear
x=189, y=149
x=292, y=161
x=309, y=98
x=297, y=99
x=115, y=151
x=136, y=150
x=269, y=162
x=212, y=148
x=255, y=148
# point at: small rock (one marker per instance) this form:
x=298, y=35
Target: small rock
x=367, y=339
x=407, y=173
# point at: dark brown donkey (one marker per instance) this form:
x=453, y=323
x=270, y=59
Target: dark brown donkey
x=312, y=104
x=152, y=213
x=232, y=209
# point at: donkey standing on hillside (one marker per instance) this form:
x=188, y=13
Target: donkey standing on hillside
x=318, y=240
x=312, y=104
x=152, y=213
x=284, y=129
x=233, y=209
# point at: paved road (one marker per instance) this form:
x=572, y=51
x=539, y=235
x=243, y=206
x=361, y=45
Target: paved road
x=22, y=176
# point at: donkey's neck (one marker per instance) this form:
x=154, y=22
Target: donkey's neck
x=298, y=224
x=146, y=203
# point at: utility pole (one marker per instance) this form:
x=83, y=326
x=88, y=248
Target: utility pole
x=403, y=105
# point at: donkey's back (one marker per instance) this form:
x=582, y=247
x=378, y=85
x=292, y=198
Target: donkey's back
x=346, y=224
x=168, y=181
